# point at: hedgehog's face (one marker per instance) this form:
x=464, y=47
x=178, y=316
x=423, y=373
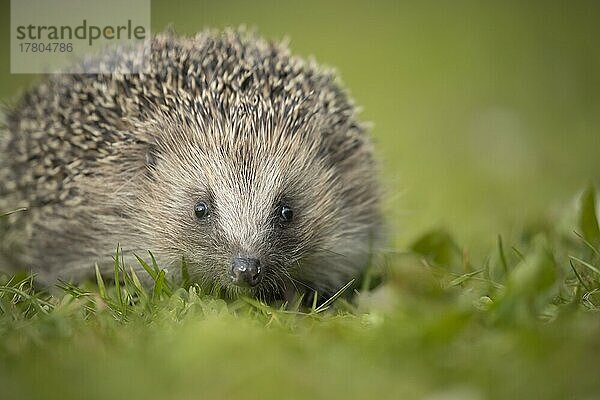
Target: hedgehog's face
x=245, y=219
x=253, y=223
x=247, y=243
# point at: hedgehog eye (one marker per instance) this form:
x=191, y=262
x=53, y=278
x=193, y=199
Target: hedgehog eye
x=201, y=209
x=286, y=214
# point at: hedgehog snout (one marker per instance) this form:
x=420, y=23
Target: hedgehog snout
x=245, y=271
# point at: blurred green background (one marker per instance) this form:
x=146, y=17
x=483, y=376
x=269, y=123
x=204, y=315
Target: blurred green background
x=486, y=114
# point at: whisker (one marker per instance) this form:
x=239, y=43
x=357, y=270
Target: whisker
x=331, y=251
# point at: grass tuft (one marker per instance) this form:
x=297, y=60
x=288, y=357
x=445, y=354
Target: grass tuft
x=428, y=321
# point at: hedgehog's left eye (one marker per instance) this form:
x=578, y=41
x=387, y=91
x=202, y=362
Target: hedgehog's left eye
x=286, y=214
x=201, y=209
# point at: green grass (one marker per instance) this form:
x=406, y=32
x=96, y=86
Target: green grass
x=427, y=323
x=484, y=113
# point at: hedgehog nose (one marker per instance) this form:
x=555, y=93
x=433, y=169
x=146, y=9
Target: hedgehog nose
x=245, y=272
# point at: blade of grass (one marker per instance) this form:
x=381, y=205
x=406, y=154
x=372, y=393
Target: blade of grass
x=258, y=305
x=166, y=285
x=31, y=299
x=118, y=281
x=71, y=289
x=502, y=256
x=158, y=285
x=588, y=221
x=585, y=263
x=578, y=276
x=185, y=274
x=153, y=274
x=100, y=282
x=330, y=300
x=463, y=278
x=154, y=263
x=588, y=244
x=518, y=253
x=367, y=278
x=137, y=283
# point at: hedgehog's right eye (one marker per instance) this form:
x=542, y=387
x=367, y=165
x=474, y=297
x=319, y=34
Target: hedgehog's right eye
x=201, y=210
x=285, y=214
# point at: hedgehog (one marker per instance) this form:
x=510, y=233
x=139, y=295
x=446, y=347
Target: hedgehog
x=227, y=153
